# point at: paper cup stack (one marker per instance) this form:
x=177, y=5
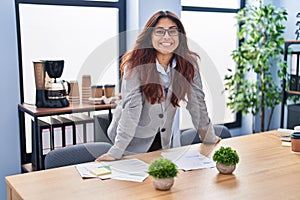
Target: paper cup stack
x=86, y=89
x=74, y=97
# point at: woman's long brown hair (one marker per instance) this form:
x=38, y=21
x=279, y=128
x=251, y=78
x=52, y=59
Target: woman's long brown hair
x=143, y=56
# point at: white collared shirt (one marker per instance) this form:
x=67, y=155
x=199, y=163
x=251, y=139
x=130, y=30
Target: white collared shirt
x=165, y=74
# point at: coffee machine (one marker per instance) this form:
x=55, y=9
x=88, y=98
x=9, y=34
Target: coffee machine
x=50, y=92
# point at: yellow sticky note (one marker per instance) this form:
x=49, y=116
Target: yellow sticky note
x=100, y=171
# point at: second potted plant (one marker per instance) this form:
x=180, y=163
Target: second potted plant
x=163, y=172
x=226, y=160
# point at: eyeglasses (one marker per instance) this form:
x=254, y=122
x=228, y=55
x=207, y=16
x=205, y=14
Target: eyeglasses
x=162, y=31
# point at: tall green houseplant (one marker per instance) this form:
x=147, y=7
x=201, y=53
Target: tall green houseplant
x=260, y=53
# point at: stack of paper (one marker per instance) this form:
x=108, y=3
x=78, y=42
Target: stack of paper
x=129, y=170
x=189, y=159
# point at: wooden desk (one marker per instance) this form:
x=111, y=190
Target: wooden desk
x=266, y=170
x=41, y=112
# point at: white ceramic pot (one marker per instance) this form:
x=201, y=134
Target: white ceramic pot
x=225, y=169
x=162, y=183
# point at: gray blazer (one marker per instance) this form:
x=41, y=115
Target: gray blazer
x=136, y=121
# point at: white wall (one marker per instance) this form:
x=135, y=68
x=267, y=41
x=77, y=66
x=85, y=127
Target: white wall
x=9, y=90
x=292, y=7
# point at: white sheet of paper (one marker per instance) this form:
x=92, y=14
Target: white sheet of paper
x=189, y=159
x=128, y=170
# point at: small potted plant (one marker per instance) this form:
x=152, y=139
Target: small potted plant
x=163, y=172
x=226, y=160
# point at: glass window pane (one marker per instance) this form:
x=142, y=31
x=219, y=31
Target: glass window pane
x=234, y=4
x=82, y=36
x=214, y=41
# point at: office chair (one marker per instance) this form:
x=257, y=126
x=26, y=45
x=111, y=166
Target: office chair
x=101, y=125
x=191, y=136
x=76, y=154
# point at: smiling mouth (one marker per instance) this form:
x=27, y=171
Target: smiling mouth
x=166, y=44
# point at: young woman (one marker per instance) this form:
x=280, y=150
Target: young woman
x=159, y=72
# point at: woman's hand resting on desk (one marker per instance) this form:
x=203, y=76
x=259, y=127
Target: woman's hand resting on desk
x=105, y=157
x=218, y=139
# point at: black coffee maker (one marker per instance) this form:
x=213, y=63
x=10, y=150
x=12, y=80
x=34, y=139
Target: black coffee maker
x=50, y=92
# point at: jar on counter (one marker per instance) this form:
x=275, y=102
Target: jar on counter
x=295, y=140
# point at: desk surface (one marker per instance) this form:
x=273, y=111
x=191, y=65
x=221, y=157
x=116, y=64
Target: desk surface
x=34, y=111
x=266, y=170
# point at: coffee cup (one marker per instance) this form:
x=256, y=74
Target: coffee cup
x=109, y=90
x=86, y=81
x=96, y=91
x=295, y=141
x=74, y=91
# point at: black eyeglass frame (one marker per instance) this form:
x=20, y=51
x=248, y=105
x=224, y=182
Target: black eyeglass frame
x=176, y=31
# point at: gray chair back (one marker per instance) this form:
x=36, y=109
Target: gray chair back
x=101, y=125
x=191, y=136
x=76, y=154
